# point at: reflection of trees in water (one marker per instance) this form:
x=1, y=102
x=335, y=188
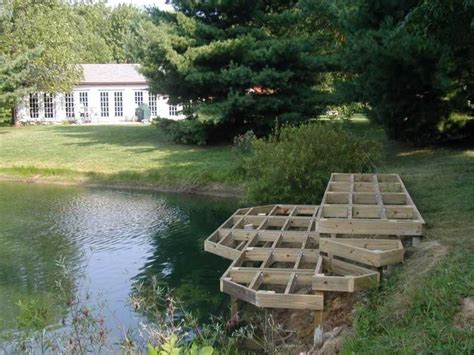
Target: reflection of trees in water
x=30, y=245
x=179, y=261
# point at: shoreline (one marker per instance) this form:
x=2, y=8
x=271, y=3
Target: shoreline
x=214, y=190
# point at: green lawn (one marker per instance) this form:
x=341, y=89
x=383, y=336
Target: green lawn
x=129, y=154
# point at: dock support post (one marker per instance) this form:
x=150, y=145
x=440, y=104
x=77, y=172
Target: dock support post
x=318, y=337
x=234, y=307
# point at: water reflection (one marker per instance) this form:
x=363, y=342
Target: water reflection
x=111, y=240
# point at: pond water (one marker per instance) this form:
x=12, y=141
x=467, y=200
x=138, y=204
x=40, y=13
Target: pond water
x=110, y=239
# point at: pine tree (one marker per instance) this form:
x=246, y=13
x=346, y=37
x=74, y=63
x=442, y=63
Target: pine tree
x=410, y=62
x=240, y=64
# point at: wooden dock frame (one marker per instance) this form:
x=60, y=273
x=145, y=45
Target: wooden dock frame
x=280, y=258
x=368, y=204
x=274, y=278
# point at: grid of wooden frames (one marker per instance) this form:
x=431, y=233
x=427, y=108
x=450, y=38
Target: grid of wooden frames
x=274, y=226
x=281, y=258
x=368, y=204
x=278, y=278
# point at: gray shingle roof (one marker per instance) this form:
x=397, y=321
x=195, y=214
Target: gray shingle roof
x=112, y=74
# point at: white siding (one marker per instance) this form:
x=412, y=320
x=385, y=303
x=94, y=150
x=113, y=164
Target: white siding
x=128, y=96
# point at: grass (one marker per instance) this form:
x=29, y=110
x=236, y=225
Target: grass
x=415, y=310
x=134, y=155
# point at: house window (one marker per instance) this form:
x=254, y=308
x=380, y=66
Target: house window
x=173, y=110
x=118, y=101
x=104, y=104
x=84, y=102
x=34, y=106
x=69, y=99
x=48, y=105
x=138, y=98
x=152, y=102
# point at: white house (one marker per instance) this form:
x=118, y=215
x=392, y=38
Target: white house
x=108, y=93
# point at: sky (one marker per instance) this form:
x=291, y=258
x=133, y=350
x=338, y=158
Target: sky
x=160, y=3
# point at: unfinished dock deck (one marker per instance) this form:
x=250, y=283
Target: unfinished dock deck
x=287, y=256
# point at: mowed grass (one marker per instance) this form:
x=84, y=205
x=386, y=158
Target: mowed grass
x=419, y=309
x=123, y=154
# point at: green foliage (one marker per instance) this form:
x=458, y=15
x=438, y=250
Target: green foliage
x=32, y=315
x=243, y=142
x=189, y=131
x=91, y=22
x=427, y=324
x=27, y=25
x=121, y=35
x=171, y=348
x=242, y=64
x=295, y=163
x=409, y=62
x=13, y=78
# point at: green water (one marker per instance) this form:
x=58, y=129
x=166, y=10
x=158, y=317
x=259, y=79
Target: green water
x=110, y=240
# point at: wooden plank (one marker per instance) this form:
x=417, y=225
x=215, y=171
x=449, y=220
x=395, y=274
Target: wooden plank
x=269, y=299
x=267, y=262
x=363, y=226
x=366, y=281
x=323, y=282
x=271, y=269
x=227, y=240
x=273, y=277
x=377, y=257
x=221, y=250
x=378, y=197
x=256, y=281
x=343, y=268
x=291, y=283
x=281, y=255
x=241, y=292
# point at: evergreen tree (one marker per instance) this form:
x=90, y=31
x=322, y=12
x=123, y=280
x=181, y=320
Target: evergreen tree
x=410, y=62
x=240, y=64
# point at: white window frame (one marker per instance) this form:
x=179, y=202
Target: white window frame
x=173, y=110
x=69, y=105
x=34, y=105
x=84, y=102
x=48, y=101
x=153, y=103
x=118, y=103
x=104, y=104
x=139, y=97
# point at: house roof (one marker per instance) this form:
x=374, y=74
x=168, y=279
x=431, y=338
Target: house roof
x=111, y=74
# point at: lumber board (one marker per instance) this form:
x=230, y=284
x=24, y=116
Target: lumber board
x=269, y=299
x=369, y=252
x=238, y=291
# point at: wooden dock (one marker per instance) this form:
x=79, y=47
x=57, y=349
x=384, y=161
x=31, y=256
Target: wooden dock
x=287, y=256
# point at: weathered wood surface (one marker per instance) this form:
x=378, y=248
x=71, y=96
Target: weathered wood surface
x=373, y=252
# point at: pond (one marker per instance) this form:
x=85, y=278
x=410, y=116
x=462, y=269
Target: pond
x=110, y=240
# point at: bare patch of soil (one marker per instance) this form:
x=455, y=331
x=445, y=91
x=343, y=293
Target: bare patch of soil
x=465, y=318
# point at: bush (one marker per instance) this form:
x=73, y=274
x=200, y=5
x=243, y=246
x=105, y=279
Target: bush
x=295, y=163
x=188, y=131
x=243, y=143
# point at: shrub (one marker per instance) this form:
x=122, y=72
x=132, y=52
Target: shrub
x=243, y=142
x=295, y=163
x=188, y=131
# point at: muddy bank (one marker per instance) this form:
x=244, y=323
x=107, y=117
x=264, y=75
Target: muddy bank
x=217, y=190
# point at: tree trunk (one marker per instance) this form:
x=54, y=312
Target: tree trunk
x=13, y=120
